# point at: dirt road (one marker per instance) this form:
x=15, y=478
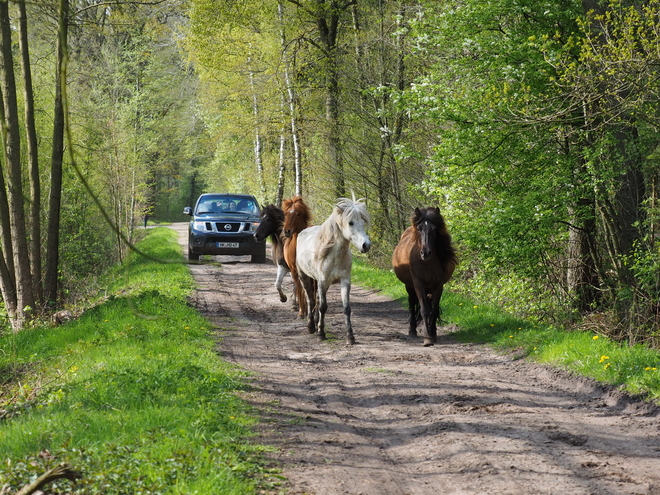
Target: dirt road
x=389, y=416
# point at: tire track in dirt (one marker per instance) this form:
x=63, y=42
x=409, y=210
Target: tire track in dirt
x=388, y=416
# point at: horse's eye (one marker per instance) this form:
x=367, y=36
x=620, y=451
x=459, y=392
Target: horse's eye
x=350, y=223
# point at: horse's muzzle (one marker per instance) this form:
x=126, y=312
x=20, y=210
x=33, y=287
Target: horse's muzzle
x=365, y=247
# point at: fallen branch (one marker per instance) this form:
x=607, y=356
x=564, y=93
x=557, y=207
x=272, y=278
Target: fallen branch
x=58, y=472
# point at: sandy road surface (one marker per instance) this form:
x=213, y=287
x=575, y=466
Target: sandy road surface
x=389, y=416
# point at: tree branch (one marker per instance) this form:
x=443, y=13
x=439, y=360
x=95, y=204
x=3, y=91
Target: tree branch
x=60, y=471
x=117, y=2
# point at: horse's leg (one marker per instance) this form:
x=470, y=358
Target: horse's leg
x=289, y=250
x=346, y=303
x=413, y=308
x=321, y=307
x=435, y=312
x=282, y=270
x=425, y=310
x=309, y=285
x=302, y=303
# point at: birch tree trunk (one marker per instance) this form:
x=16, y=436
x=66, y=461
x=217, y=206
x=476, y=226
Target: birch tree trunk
x=258, y=147
x=291, y=100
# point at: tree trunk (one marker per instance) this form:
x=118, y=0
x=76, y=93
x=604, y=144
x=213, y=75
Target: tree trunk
x=328, y=30
x=581, y=275
x=258, y=147
x=55, y=201
x=24, y=294
x=32, y=156
x=281, y=168
x=7, y=273
x=291, y=100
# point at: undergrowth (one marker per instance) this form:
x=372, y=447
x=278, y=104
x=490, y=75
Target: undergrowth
x=131, y=394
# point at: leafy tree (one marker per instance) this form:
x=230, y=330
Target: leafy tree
x=504, y=180
x=545, y=155
x=108, y=81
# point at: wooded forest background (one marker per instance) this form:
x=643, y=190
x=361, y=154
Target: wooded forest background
x=532, y=124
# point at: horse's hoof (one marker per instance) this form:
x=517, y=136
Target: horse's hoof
x=350, y=340
x=311, y=330
x=321, y=336
x=428, y=342
x=283, y=298
x=412, y=333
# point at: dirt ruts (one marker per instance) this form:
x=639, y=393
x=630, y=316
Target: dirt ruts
x=389, y=416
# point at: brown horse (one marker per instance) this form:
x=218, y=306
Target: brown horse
x=424, y=260
x=297, y=216
x=271, y=225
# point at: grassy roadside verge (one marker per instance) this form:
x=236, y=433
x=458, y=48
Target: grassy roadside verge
x=131, y=394
x=635, y=369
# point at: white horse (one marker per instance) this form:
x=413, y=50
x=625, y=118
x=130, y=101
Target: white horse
x=323, y=258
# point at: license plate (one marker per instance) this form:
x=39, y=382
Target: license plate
x=226, y=245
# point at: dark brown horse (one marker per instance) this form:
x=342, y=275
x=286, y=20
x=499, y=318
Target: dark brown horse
x=424, y=260
x=271, y=225
x=297, y=216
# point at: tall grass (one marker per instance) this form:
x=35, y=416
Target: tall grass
x=635, y=369
x=132, y=394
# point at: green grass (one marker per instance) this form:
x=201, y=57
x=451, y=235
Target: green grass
x=635, y=369
x=132, y=394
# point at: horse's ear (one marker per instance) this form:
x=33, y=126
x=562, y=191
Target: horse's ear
x=417, y=211
x=437, y=210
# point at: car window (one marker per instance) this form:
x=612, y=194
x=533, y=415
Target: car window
x=207, y=207
x=228, y=204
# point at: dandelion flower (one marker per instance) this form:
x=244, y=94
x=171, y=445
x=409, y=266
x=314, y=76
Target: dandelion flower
x=595, y=337
x=603, y=358
x=606, y=366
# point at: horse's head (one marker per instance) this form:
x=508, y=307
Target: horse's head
x=296, y=216
x=270, y=223
x=429, y=225
x=353, y=221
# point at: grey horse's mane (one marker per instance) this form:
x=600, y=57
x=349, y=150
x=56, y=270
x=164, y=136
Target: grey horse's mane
x=344, y=211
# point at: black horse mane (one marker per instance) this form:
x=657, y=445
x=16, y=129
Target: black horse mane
x=276, y=214
x=443, y=246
